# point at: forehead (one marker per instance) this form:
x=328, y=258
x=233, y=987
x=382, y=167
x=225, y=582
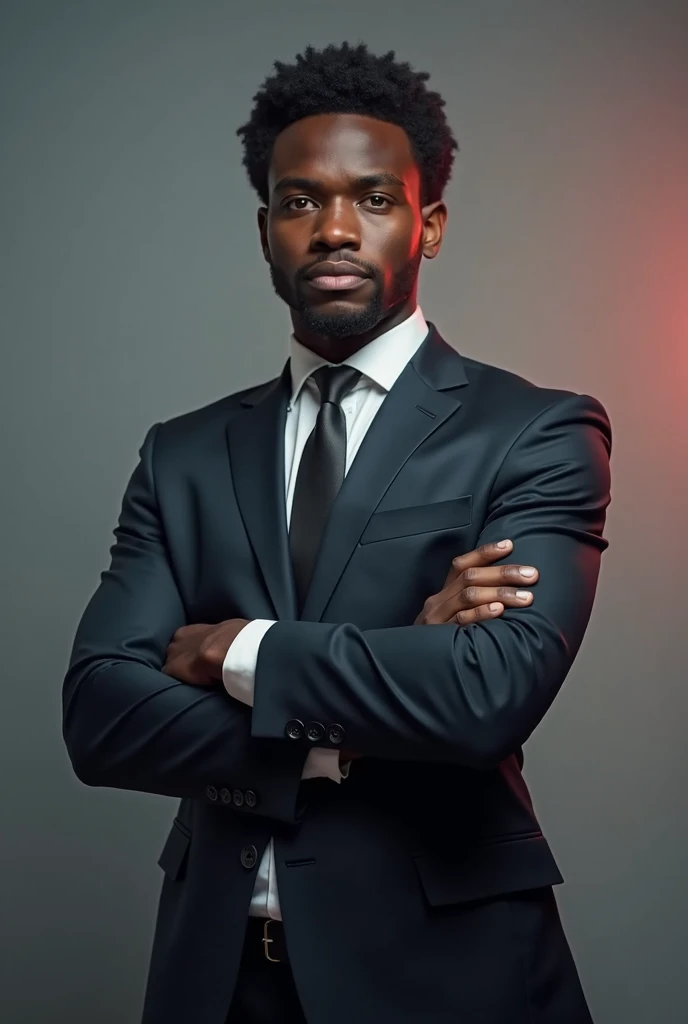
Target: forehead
x=340, y=146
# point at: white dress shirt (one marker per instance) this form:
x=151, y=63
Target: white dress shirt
x=380, y=362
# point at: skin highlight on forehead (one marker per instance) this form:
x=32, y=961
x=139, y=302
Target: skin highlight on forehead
x=339, y=149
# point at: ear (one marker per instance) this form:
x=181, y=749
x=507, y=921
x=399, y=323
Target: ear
x=434, y=221
x=263, y=230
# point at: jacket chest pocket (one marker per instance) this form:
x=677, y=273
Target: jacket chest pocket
x=414, y=519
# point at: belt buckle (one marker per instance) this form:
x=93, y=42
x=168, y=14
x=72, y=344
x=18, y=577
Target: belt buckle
x=266, y=940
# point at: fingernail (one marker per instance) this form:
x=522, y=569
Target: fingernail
x=494, y=607
x=503, y=543
x=527, y=570
x=523, y=595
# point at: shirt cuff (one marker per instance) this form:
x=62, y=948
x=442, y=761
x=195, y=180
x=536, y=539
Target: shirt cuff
x=324, y=762
x=239, y=666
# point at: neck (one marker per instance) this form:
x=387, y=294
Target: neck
x=336, y=350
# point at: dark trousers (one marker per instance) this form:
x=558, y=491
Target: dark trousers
x=265, y=992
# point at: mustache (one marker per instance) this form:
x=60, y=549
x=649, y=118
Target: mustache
x=367, y=268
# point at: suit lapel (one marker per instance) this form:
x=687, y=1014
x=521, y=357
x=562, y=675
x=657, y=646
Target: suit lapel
x=419, y=402
x=256, y=449
x=422, y=398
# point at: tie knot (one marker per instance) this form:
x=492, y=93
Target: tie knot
x=334, y=382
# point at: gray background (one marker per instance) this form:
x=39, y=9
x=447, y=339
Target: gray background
x=133, y=289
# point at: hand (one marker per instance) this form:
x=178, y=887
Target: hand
x=475, y=590
x=196, y=653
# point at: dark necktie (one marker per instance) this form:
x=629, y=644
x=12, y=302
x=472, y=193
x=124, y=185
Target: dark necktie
x=321, y=472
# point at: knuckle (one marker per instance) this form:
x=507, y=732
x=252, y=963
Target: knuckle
x=470, y=593
x=207, y=645
x=427, y=613
x=470, y=574
x=505, y=592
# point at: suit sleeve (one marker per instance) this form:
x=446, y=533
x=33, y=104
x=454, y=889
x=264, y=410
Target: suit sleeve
x=472, y=694
x=128, y=725
x=238, y=677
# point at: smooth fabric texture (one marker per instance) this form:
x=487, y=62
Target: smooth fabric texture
x=321, y=473
x=421, y=888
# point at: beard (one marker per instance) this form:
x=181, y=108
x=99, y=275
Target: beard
x=347, y=323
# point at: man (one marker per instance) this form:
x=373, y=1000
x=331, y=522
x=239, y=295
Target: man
x=277, y=641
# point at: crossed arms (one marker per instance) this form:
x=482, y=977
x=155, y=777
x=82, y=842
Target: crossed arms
x=463, y=694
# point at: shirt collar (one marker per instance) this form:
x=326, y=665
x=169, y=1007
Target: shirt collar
x=381, y=360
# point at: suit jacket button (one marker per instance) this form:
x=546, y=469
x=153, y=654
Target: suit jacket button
x=251, y=798
x=226, y=795
x=315, y=732
x=238, y=798
x=293, y=730
x=249, y=857
x=211, y=792
x=335, y=733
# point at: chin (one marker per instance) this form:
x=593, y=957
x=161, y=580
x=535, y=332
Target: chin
x=341, y=319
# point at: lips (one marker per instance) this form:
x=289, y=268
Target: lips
x=336, y=277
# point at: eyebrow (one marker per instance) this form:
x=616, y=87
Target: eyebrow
x=365, y=181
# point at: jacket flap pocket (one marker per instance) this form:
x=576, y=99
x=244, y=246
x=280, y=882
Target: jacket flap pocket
x=174, y=853
x=488, y=870
x=403, y=522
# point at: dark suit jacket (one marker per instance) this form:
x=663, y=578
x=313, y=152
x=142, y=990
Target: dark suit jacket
x=418, y=890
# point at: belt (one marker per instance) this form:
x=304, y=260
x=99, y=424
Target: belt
x=266, y=935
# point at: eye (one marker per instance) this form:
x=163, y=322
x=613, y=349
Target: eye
x=378, y=202
x=297, y=203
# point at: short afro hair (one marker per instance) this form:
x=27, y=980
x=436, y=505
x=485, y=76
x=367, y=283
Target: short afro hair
x=350, y=80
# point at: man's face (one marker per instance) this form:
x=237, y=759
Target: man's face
x=344, y=231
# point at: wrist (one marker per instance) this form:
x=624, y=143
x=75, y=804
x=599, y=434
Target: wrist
x=217, y=644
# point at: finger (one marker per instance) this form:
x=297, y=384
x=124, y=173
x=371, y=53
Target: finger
x=480, y=597
x=489, y=576
x=479, y=614
x=486, y=554
x=499, y=576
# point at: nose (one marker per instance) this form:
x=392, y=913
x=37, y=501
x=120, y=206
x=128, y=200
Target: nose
x=336, y=227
